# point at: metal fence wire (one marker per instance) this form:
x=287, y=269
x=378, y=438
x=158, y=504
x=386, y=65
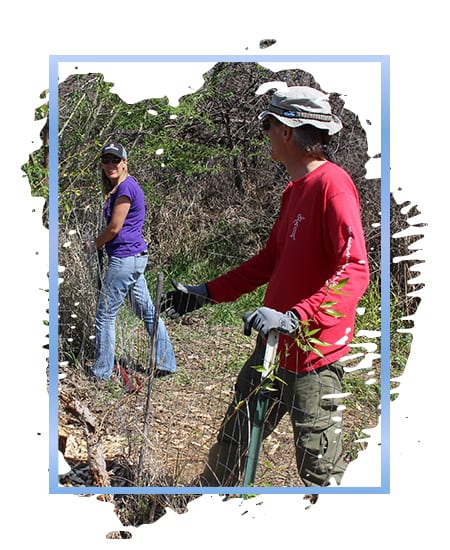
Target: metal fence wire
x=160, y=433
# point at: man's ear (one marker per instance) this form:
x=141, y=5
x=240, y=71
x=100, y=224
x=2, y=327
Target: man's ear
x=287, y=133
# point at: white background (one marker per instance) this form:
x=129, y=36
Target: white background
x=415, y=36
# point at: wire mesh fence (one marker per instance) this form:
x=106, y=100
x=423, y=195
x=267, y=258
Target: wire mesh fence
x=159, y=434
x=211, y=205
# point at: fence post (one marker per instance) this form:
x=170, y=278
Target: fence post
x=150, y=372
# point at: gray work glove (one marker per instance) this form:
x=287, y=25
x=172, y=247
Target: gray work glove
x=184, y=299
x=265, y=319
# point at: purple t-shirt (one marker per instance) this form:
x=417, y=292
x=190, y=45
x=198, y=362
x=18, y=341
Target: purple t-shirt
x=129, y=241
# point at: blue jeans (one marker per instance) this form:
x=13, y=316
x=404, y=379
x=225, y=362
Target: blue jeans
x=124, y=278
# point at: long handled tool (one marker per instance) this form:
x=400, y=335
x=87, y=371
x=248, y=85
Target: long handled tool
x=262, y=401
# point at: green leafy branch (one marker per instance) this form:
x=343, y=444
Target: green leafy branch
x=267, y=383
x=306, y=338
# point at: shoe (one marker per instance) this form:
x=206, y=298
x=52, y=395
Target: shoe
x=160, y=373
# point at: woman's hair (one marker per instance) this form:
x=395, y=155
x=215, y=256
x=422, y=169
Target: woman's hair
x=312, y=140
x=108, y=186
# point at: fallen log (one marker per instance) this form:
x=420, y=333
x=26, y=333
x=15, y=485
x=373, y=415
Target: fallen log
x=88, y=420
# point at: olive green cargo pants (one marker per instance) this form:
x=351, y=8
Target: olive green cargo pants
x=315, y=418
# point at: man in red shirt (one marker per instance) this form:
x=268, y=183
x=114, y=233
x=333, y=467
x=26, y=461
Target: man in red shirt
x=316, y=269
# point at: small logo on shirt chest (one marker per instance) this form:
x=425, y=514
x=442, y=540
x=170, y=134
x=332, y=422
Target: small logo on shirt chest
x=295, y=225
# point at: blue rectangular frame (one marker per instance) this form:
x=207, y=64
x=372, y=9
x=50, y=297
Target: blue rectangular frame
x=384, y=61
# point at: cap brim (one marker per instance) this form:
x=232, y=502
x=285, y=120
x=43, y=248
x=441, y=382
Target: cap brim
x=114, y=154
x=333, y=126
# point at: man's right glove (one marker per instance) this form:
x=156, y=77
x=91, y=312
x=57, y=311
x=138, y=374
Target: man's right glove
x=184, y=299
x=265, y=319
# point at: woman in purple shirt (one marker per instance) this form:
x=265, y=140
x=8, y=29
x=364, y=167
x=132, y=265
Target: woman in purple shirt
x=124, y=210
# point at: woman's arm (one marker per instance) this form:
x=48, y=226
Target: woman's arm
x=119, y=214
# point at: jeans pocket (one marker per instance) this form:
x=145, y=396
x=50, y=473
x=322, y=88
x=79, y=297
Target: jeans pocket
x=140, y=264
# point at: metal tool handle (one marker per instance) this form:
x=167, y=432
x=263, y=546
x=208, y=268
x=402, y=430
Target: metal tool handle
x=262, y=401
x=270, y=353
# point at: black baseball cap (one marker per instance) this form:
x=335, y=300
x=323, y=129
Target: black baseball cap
x=116, y=149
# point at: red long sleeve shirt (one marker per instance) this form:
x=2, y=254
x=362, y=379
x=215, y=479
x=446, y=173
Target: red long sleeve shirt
x=316, y=243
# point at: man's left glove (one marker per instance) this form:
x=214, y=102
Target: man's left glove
x=265, y=319
x=184, y=299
